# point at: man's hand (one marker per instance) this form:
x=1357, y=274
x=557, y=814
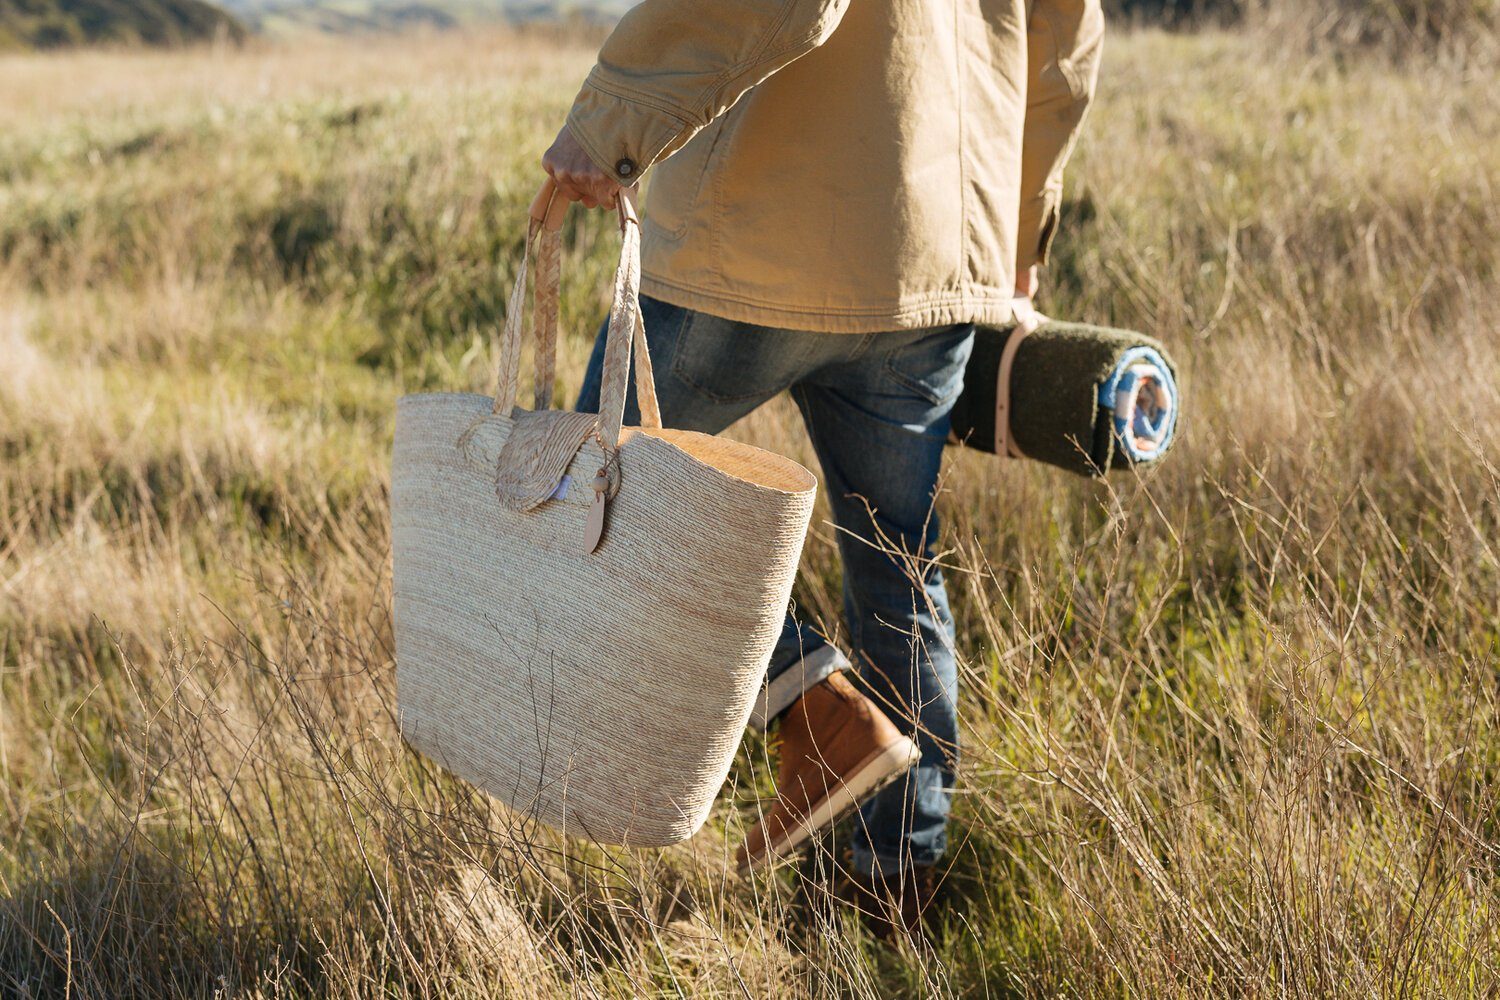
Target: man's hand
x=577, y=176
x=1026, y=314
x=1026, y=283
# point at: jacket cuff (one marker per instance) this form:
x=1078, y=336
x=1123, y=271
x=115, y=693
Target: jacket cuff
x=622, y=135
x=1037, y=227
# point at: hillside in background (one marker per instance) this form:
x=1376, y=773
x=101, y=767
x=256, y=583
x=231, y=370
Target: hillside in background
x=339, y=17
x=27, y=24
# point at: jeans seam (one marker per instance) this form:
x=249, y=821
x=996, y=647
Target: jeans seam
x=679, y=372
x=955, y=386
x=914, y=384
x=863, y=346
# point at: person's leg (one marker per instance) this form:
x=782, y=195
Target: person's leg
x=878, y=423
x=710, y=372
x=801, y=659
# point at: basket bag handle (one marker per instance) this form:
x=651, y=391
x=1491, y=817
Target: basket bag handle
x=626, y=334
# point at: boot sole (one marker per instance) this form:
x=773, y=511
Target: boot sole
x=868, y=777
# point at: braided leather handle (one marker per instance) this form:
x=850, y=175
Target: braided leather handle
x=626, y=334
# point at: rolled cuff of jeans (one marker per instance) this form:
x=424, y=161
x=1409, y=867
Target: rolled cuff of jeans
x=785, y=688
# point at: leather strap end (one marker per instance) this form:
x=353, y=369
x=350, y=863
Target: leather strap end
x=547, y=209
x=626, y=205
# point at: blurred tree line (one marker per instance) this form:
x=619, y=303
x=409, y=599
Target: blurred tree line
x=47, y=24
x=1391, y=21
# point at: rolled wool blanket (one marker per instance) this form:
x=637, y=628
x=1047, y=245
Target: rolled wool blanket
x=1083, y=398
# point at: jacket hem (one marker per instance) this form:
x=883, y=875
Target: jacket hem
x=987, y=306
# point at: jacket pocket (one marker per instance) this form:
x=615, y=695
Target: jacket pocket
x=1075, y=33
x=675, y=193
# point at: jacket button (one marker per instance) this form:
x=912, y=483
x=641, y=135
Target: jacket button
x=626, y=167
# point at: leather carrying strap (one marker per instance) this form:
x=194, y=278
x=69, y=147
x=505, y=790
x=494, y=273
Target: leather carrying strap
x=547, y=215
x=626, y=334
x=1027, y=321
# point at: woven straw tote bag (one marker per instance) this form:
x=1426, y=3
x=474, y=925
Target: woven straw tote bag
x=585, y=611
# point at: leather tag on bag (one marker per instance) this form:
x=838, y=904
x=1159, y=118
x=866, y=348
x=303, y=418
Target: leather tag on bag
x=593, y=531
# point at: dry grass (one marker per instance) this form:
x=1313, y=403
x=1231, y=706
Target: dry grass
x=1231, y=728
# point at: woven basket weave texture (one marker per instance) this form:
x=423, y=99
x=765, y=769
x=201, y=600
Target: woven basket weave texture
x=603, y=693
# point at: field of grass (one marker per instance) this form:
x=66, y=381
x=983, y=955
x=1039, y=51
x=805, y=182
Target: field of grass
x=1231, y=728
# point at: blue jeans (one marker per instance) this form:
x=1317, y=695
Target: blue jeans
x=876, y=408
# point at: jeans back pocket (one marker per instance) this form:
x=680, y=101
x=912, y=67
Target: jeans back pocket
x=931, y=363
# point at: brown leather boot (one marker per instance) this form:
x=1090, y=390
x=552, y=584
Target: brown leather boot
x=893, y=903
x=837, y=749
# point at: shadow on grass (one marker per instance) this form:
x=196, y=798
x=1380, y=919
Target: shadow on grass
x=123, y=920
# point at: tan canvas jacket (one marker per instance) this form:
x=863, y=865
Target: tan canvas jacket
x=846, y=166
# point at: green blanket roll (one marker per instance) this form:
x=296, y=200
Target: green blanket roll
x=1060, y=374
